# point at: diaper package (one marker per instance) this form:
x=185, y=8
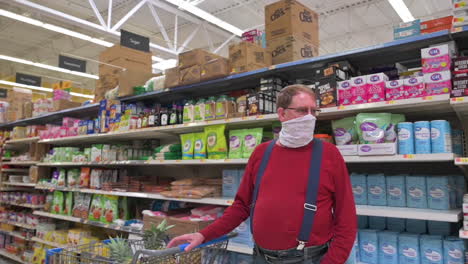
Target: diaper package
x=371, y=127
x=359, y=185
x=376, y=87
x=454, y=250
x=344, y=131
x=431, y=249
x=438, y=192
x=359, y=90
x=396, y=194
x=345, y=93
x=408, y=248
x=416, y=195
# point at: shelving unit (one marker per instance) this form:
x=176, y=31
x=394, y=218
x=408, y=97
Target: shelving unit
x=32, y=206
x=20, y=184
x=26, y=226
x=22, y=141
x=410, y=213
x=11, y=256
x=20, y=163
x=14, y=234
x=15, y=170
x=49, y=243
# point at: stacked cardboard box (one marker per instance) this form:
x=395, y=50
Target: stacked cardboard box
x=17, y=98
x=292, y=31
x=195, y=66
x=246, y=56
x=136, y=64
x=434, y=25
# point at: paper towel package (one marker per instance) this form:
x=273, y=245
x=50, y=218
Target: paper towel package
x=354, y=255
x=388, y=247
x=377, y=191
x=416, y=191
x=438, y=192
x=377, y=223
x=396, y=190
x=408, y=248
x=431, y=249
x=454, y=250
x=368, y=246
x=359, y=184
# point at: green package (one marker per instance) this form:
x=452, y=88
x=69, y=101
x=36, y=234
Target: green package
x=216, y=145
x=123, y=208
x=372, y=127
x=62, y=177
x=110, y=209
x=95, y=210
x=168, y=148
x=199, y=148
x=73, y=178
x=391, y=132
x=252, y=138
x=236, y=142
x=57, y=203
x=344, y=131
x=87, y=153
x=68, y=203
x=187, y=143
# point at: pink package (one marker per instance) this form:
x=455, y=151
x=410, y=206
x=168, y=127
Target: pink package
x=438, y=82
x=72, y=131
x=345, y=93
x=414, y=87
x=395, y=90
x=359, y=90
x=376, y=87
x=70, y=122
x=61, y=95
x=436, y=59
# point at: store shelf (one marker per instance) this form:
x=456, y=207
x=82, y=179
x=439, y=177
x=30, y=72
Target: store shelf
x=86, y=222
x=22, y=141
x=460, y=105
x=443, y=157
x=16, y=170
x=21, y=184
x=410, y=213
x=240, y=248
x=49, y=243
x=32, y=206
x=146, y=163
x=19, y=225
x=6, y=159
x=20, y=163
x=11, y=256
x=14, y=234
x=463, y=233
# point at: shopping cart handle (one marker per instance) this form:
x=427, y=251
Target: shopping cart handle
x=50, y=253
x=209, y=243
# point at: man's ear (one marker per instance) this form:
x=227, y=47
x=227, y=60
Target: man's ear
x=281, y=112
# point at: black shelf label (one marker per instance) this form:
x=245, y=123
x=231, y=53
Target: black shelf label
x=3, y=93
x=72, y=64
x=28, y=79
x=134, y=41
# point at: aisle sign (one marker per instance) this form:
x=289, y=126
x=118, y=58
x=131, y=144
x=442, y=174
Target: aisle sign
x=134, y=41
x=3, y=93
x=28, y=79
x=72, y=64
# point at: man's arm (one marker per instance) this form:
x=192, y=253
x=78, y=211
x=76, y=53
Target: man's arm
x=345, y=219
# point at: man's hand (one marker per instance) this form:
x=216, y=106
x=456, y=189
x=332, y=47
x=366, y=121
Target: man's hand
x=194, y=240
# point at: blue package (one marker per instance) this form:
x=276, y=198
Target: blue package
x=416, y=226
x=388, y=247
x=408, y=248
x=396, y=191
x=438, y=192
x=422, y=137
x=230, y=183
x=454, y=250
x=368, y=245
x=244, y=237
x=354, y=255
x=363, y=221
x=440, y=228
x=457, y=141
x=416, y=191
x=377, y=191
x=359, y=185
x=441, y=136
x=90, y=125
x=405, y=138
x=377, y=223
x=396, y=224
x=431, y=249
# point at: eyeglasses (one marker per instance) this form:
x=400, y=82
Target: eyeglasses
x=306, y=110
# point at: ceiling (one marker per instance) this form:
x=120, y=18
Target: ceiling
x=344, y=24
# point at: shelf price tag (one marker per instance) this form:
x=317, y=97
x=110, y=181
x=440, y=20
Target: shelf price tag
x=260, y=117
x=458, y=99
x=230, y=202
x=272, y=67
x=427, y=98
x=390, y=102
x=203, y=161
x=341, y=107
x=178, y=161
x=244, y=118
x=408, y=156
x=461, y=160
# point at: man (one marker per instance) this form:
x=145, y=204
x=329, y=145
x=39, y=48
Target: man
x=281, y=202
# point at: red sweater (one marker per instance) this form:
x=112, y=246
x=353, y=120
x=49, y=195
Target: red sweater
x=280, y=205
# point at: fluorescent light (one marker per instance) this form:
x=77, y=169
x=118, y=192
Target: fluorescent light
x=157, y=59
x=402, y=10
x=49, y=67
x=43, y=89
x=206, y=16
x=165, y=64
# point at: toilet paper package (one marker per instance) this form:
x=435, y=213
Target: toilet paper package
x=396, y=191
x=414, y=87
x=359, y=90
x=396, y=224
x=408, y=248
x=377, y=194
x=416, y=191
x=377, y=223
x=454, y=250
x=363, y=221
x=431, y=249
x=452, y=192
x=438, y=82
x=359, y=185
x=436, y=59
x=395, y=90
x=438, y=192
x=422, y=137
x=441, y=136
x=345, y=93
x=416, y=226
x=368, y=246
x=405, y=138
x=388, y=247
x=376, y=87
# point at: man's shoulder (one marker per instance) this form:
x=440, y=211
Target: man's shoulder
x=330, y=148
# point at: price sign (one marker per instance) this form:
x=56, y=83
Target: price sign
x=260, y=117
x=461, y=160
x=229, y=202
x=427, y=98
x=458, y=99
x=390, y=102
x=408, y=156
x=272, y=67
x=341, y=107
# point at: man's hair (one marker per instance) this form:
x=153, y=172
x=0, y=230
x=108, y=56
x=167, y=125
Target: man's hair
x=284, y=97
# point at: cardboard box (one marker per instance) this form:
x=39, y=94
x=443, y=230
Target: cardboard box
x=435, y=29
x=195, y=57
x=291, y=48
x=129, y=78
x=127, y=58
x=64, y=104
x=181, y=226
x=245, y=53
x=289, y=17
x=214, y=69
x=443, y=21
x=28, y=109
x=377, y=149
x=190, y=75
x=246, y=68
x=38, y=151
x=348, y=150
x=326, y=91
x=172, y=77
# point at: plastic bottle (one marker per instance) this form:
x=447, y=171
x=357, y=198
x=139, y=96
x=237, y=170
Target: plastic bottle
x=173, y=115
x=221, y=107
x=188, y=112
x=164, y=116
x=199, y=110
x=210, y=106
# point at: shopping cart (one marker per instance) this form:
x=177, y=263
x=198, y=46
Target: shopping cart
x=99, y=253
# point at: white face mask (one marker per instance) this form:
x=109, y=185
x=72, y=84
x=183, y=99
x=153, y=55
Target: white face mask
x=297, y=132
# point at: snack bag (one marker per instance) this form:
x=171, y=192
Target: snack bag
x=391, y=132
x=95, y=210
x=252, y=138
x=55, y=177
x=123, y=208
x=68, y=203
x=344, y=131
x=372, y=126
x=62, y=178
x=110, y=209
x=57, y=203
x=187, y=143
x=199, y=151
x=236, y=142
x=78, y=202
x=85, y=206
x=73, y=178
x=85, y=177
x=216, y=142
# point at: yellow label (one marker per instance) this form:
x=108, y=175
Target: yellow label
x=230, y=202
x=260, y=117
x=272, y=67
x=244, y=118
x=203, y=161
x=227, y=160
x=428, y=98
x=446, y=90
x=408, y=156
x=341, y=107
x=461, y=160
x=178, y=161
x=390, y=102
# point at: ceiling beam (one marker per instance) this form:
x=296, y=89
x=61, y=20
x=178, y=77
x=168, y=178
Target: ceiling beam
x=160, y=25
x=96, y=12
x=128, y=15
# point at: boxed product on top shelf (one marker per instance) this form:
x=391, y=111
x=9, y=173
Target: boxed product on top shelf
x=438, y=24
x=407, y=29
x=19, y=132
x=246, y=56
x=194, y=188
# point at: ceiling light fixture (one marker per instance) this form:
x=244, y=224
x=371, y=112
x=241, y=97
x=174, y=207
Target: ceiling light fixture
x=43, y=89
x=163, y=65
x=206, y=16
x=49, y=67
x=402, y=10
